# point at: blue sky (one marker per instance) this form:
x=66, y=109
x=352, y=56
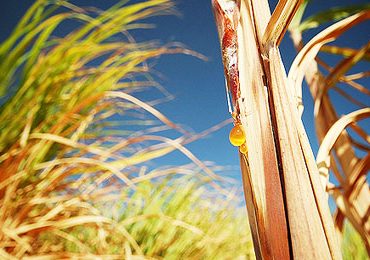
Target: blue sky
x=198, y=86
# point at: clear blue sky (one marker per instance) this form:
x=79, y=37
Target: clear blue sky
x=198, y=86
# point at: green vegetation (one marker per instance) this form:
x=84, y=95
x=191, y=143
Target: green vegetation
x=352, y=245
x=75, y=145
x=176, y=218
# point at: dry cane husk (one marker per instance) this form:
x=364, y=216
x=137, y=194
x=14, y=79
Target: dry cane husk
x=287, y=207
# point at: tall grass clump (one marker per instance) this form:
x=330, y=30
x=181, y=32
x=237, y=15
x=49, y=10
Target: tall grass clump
x=75, y=143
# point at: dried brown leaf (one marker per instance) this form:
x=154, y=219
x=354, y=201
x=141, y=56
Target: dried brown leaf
x=356, y=86
x=344, y=66
x=307, y=54
x=323, y=155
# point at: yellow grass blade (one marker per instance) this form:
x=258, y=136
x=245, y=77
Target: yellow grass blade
x=148, y=108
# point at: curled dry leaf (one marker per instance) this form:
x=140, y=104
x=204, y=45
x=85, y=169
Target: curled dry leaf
x=309, y=52
x=337, y=73
x=323, y=156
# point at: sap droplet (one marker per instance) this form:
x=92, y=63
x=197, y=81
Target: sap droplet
x=243, y=148
x=237, y=135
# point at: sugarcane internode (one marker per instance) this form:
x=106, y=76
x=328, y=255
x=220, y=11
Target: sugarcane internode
x=226, y=17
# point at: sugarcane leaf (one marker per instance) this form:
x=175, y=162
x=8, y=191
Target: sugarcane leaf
x=297, y=19
x=343, y=51
x=331, y=15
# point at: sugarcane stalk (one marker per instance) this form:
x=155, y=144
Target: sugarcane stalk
x=287, y=208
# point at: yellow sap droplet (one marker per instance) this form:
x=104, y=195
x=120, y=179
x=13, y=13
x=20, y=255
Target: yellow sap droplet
x=237, y=135
x=243, y=148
